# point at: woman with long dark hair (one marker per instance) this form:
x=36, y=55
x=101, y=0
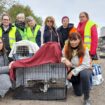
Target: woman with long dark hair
x=5, y=82
x=78, y=61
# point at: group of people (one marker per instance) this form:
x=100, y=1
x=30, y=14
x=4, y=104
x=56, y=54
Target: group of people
x=78, y=45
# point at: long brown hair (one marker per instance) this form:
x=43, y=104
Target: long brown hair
x=3, y=50
x=69, y=50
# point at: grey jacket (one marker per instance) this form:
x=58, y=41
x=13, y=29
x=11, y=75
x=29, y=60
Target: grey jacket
x=4, y=68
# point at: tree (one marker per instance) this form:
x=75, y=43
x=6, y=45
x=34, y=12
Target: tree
x=18, y=8
x=4, y=4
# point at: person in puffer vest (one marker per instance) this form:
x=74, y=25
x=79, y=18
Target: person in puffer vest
x=77, y=59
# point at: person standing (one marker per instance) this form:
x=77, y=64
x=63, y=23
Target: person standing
x=33, y=31
x=9, y=33
x=20, y=25
x=50, y=32
x=65, y=29
x=88, y=31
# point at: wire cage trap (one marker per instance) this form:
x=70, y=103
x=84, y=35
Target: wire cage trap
x=44, y=82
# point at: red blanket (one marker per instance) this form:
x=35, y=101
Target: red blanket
x=48, y=53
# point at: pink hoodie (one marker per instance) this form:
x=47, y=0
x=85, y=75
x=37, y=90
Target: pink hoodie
x=94, y=36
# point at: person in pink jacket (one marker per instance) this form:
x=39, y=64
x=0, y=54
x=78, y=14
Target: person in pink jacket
x=88, y=29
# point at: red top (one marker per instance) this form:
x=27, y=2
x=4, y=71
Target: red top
x=48, y=53
x=94, y=36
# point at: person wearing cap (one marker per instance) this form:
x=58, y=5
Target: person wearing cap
x=9, y=33
x=20, y=25
x=65, y=29
x=33, y=31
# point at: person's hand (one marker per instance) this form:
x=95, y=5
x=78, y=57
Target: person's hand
x=11, y=64
x=69, y=75
x=66, y=62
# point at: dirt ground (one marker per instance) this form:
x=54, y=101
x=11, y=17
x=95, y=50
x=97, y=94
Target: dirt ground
x=97, y=96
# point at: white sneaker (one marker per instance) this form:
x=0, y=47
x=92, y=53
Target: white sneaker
x=87, y=102
x=69, y=84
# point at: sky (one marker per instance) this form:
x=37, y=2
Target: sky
x=70, y=8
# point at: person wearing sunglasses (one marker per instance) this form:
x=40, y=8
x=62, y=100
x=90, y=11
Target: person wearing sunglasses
x=88, y=31
x=50, y=33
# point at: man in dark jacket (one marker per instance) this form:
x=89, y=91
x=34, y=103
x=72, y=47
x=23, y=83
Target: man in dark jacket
x=65, y=29
x=9, y=33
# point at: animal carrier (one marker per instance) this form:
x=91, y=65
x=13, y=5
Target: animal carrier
x=23, y=49
x=44, y=82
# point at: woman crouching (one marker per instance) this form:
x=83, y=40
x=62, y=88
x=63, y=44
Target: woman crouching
x=77, y=59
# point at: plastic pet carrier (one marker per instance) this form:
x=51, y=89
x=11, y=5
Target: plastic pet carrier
x=23, y=49
x=22, y=52
x=44, y=82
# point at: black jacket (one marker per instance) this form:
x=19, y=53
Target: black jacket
x=5, y=36
x=64, y=33
x=50, y=35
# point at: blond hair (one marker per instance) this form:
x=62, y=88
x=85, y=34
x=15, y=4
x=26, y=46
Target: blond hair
x=20, y=15
x=50, y=17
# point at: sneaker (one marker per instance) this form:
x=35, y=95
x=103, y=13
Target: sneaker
x=68, y=84
x=87, y=102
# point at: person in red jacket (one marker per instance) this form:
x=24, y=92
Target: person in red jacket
x=88, y=31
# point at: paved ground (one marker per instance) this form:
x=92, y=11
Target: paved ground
x=97, y=96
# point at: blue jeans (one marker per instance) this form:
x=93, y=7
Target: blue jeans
x=81, y=83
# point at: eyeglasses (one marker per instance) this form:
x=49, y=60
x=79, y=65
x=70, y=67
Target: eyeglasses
x=49, y=21
x=82, y=16
x=6, y=19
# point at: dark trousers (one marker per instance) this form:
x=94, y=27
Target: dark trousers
x=81, y=83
